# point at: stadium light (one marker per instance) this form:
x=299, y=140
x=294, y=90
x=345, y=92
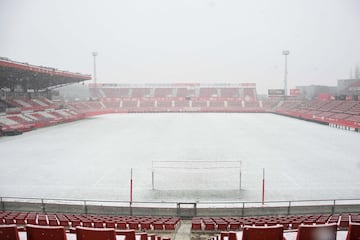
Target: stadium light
x=285, y=53
x=94, y=54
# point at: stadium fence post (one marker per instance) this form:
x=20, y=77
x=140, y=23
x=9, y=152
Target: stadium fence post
x=131, y=186
x=2, y=204
x=152, y=175
x=85, y=207
x=243, y=209
x=42, y=206
x=289, y=208
x=240, y=177
x=263, y=188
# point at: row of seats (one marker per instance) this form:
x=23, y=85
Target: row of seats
x=288, y=222
x=11, y=232
x=304, y=232
x=92, y=221
x=337, y=109
x=34, y=104
x=28, y=120
x=165, y=105
x=104, y=92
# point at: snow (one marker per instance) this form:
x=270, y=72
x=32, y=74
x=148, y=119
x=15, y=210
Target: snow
x=92, y=158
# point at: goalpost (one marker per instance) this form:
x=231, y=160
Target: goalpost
x=196, y=175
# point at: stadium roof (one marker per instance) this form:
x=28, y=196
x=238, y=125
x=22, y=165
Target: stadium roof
x=16, y=74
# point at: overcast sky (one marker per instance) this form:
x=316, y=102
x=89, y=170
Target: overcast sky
x=172, y=41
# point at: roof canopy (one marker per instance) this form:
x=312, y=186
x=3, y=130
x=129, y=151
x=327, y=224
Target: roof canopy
x=15, y=74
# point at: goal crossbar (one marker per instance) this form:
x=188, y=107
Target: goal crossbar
x=196, y=165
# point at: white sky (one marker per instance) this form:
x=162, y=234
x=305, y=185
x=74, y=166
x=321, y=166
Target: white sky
x=169, y=41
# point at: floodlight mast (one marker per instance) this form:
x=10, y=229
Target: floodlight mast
x=285, y=53
x=94, y=54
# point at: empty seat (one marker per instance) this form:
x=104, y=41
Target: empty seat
x=316, y=232
x=45, y=233
x=224, y=235
x=129, y=234
x=152, y=237
x=83, y=233
x=143, y=236
x=9, y=232
x=353, y=232
x=263, y=233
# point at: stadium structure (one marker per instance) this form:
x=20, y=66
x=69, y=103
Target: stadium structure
x=26, y=100
x=26, y=104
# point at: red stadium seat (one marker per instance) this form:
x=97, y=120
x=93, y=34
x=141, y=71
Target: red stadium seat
x=20, y=219
x=75, y=223
x=170, y=225
x=263, y=233
x=158, y=225
x=209, y=225
x=152, y=237
x=45, y=233
x=134, y=225
x=143, y=236
x=9, y=232
x=353, y=232
x=121, y=225
x=42, y=220
x=129, y=234
x=110, y=223
x=232, y=236
x=145, y=225
x=234, y=225
x=83, y=233
x=316, y=232
x=196, y=224
x=31, y=218
x=224, y=235
x=98, y=224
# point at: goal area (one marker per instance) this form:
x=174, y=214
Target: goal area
x=196, y=175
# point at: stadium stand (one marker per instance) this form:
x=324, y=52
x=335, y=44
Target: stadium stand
x=334, y=112
x=289, y=222
x=138, y=223
x=229, y=92
x=27, y=107
x=163, y=92
x=30, y=109
x=306, y=227
x=39, y=226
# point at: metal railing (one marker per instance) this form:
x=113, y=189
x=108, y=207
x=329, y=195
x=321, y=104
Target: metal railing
x=209, y=208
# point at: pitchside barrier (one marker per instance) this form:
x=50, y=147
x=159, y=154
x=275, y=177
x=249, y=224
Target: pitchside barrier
x=181, y=209
x=196, y=175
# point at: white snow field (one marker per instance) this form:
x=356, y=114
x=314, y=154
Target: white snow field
x=92, y=158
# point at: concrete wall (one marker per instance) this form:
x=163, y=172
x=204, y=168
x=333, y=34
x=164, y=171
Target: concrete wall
x=183, y=212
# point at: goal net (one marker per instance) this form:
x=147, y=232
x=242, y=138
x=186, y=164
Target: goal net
x=196, y=175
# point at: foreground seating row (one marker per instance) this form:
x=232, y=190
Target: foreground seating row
x=305, y=232
x=96, y=221
x=288, y=222
x=33, y=232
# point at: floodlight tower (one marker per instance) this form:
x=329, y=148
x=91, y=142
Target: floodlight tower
x=285, y=53
x=94, y=54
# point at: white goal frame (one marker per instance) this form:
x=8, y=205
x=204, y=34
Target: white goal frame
x=203, y=164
